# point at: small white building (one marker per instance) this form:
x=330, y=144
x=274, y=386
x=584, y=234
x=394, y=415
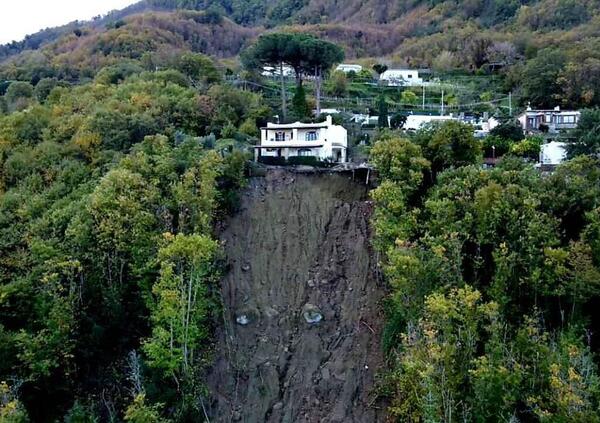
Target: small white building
x=484, y=127
x=330, y=111
x=324, y=140
x=271, y=71
x=359, y=118
x=490, y=124
x=347, y=68
x=401, y=78
x=553, y=153
x=416, y=122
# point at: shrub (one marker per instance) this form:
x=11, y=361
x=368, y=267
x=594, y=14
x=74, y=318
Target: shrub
x=274, y=161
x=303, y=160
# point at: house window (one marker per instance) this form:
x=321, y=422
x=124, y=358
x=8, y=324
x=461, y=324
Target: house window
x=566, y=119
x=311, y=136
x=304, y=152
x=279, y=136
x=410, y=75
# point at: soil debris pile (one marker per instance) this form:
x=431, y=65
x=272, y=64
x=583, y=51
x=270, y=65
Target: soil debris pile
x=301, y=340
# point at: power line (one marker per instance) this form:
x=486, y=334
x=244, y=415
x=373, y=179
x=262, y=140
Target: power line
x=371, y=100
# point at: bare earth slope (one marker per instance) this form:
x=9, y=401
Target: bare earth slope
x=298, y=240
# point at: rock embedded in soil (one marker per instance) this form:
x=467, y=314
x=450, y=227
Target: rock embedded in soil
x=311, y=314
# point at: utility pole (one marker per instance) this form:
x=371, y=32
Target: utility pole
x=423, y=97
x=318, y=73
x=283, y=102
x=442, y=102
x=510, y=103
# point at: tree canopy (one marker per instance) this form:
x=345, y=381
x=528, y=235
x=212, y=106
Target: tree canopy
x=305, y=53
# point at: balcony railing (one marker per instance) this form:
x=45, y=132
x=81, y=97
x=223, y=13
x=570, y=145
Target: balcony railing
x=300, y=141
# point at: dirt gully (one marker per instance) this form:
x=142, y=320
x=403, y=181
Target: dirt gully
x=302, y=305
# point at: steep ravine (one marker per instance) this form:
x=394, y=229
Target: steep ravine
x=297, y=240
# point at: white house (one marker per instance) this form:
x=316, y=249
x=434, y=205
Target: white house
x=490, y=124
x=271, y=71
x=553, y=120
x=553, y=153
x=359, y=118
x=347, y=67
x=401, y=78
x=330, y=111
x=416, y=122
x=324, y=140
x=485, y=126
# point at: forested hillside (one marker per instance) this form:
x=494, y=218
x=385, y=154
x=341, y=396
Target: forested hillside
x=495, y=278
x=108, y=194
x=546, y=51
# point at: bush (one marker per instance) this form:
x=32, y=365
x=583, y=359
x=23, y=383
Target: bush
x=294, y=161
x=303, y=161
x=273, y=161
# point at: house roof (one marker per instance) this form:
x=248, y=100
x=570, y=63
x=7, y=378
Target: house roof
x=296, y=125
x=399, y=71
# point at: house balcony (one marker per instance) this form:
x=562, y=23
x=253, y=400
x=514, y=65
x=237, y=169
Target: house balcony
x=273, y=143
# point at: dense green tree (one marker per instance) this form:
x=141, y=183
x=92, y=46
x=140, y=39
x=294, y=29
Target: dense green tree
x=382, y=112
x=450, y=144
x=180, y=312
x=511, y=131
x=339, y=84
x=399, y=160
x=140, y=412
x=380, y=68
x=540, y=79
x=300, y=106
x=528, y=243
x=88, y=190
x=43, y=88
x=199, y=68
x=305, y=53
x=19, y=95
x=586, y=138
x=398, y=120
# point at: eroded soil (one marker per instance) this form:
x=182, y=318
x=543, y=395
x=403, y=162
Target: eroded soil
x=298, y=240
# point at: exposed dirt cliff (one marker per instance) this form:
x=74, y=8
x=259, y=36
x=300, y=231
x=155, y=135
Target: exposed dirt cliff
x=301, y=339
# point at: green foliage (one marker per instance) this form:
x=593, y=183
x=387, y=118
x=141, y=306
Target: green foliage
x=339, y=84
x=587, y=135
x=495, y=146
x=180, y=310
x=11, y=410
x=19, y=95
x=382, y=112
x=305, y=53
x=400, y=161
x=380, y=68
x=409, y=97
x=300, y=107
x=511, y=131
x=529, y=148
x=139, y=412
x=199, y=68
x=541, y=83
x=79, y=413
x=91, y=177
x=44, y=87
x=450, y=144
x=491, y=275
